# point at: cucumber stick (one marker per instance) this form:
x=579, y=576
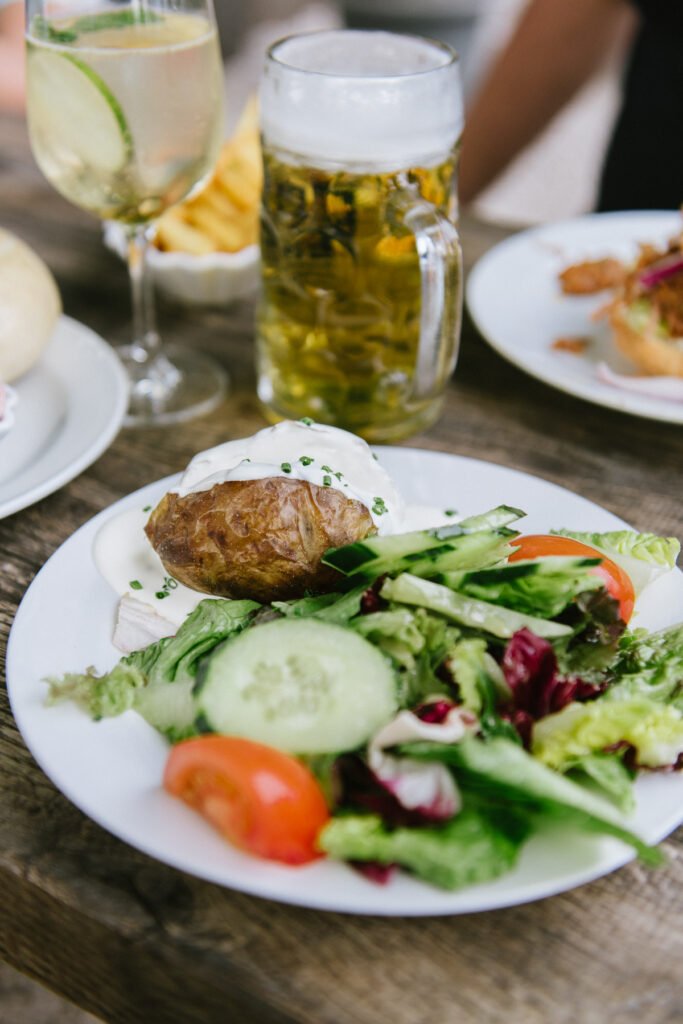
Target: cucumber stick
x=375, y=555
x=302, y=685
x=80, y=109
x=467, y=611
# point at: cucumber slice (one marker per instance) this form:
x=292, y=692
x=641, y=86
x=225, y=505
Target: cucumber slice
x=304, y=686
x=81, y=111
x=169, y=707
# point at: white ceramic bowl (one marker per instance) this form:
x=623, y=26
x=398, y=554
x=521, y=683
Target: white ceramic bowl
x=8, y=402
x=215, y=279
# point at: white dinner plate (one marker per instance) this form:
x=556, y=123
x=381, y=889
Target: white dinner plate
x=70, y=407
x=515, y=300
x=112, y=769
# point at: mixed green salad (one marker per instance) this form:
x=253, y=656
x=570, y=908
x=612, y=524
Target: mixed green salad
x=462, y=688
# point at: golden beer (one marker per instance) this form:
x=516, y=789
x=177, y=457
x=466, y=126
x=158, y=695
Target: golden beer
x=341, y=329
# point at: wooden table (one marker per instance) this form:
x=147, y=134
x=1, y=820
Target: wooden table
x=132, y=940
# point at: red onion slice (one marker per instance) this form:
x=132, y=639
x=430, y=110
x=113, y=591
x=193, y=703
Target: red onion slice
x=661, y=270
x=669, y=389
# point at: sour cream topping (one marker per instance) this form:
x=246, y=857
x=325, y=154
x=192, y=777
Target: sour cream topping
x=303, y=450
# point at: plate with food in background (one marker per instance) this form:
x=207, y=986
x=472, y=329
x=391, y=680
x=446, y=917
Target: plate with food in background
x=205, y=249
x=591, y=306
x=384, y=682
x=63, y=391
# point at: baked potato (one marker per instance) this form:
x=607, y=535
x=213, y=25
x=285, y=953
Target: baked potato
x=260, y=539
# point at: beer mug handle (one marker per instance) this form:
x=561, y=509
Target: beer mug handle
x=440, y=256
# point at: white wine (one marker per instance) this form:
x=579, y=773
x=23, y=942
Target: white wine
x=124, y=113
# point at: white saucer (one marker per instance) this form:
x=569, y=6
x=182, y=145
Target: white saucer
x=70, y=407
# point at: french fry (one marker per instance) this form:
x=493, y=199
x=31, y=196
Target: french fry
x=244, y=194
x=174, y=234
x=228, y=236
x=224, y=216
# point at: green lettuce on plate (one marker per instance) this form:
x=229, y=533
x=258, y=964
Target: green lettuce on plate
x=644, y=556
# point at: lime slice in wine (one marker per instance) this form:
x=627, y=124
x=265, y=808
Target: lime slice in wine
x=80, y=108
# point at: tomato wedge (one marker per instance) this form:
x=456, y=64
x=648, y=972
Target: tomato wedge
x=616, y=581
x=261, y=799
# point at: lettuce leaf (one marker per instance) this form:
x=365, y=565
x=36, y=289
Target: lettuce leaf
x=542, y=587
x=395, y=631
x=481, y=686
x=141, y=680
x=607, y=775
x=336, y=608
x=651, y=666
x=654, y=730
x=417, y=642
x=472, y=847
x=593, y=646
x=644, y=556
x=498, y=769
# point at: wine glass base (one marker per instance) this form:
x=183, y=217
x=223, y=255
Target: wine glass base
x=176, y=386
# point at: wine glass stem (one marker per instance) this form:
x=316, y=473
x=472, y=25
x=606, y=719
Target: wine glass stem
x=146, y=343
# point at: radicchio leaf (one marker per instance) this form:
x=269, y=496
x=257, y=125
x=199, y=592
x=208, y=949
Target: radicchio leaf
x=371, y=601
x=357, y=786
x=435, y=711
x=530, y=668
x=375, y=872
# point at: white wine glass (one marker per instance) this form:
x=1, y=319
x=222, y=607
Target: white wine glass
x=125, y=118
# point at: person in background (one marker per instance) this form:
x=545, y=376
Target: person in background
x=554, y=50
x=12, y=72
x=450, y=21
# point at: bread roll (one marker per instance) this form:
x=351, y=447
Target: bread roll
x=29, y=307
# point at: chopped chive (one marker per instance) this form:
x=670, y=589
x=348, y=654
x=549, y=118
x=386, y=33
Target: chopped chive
x=339, y=476
x=307, y=421
x=306, y=460
x=327, y=481
x=450, y=512
x=161, y=594
x=286, y=467
x=147, y=508
x=135, y=585
x=326, y=469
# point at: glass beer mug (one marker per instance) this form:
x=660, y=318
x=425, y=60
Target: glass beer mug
x=359, y=320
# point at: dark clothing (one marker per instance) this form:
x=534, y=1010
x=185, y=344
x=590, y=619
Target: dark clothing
x=643, y=168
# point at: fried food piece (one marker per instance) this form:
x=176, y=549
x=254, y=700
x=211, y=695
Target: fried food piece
x=575, y=345
x=259, y=539
x=224, y=216
x=592, y=276
x=175, y=234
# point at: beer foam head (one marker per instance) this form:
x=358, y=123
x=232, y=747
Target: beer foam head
x=374, y=100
